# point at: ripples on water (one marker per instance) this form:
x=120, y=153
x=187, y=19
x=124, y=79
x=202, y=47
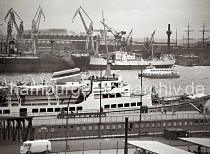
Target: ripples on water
x=191, y=79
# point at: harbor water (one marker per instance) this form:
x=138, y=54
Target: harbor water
x=192, y=80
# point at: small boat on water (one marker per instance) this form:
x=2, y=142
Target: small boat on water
x=153, y=72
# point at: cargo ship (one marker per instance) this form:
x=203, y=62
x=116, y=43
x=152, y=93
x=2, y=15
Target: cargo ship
x=14, y=61
x=128, y=60
x=81, y=59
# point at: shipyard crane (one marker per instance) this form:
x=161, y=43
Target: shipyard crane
x=128, y=40
x=129, y=36
x=89, y=30
x=11, y=14
x=117, y=35
x=35, y=28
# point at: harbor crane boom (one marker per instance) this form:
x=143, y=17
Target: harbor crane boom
x=128, y=37
x=149, y=42
x=117, y=35
x=151, y=38
x=35, y=28
x=128, y=41
x=83, y=21
x=89, y=30
x=11, y=14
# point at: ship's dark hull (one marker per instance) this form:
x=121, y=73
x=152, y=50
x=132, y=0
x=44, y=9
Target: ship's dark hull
x=81, y=62
x=28, y=65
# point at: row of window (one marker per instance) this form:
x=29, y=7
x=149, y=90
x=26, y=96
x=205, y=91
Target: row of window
x=78, y=108
x=112, y=106
x=97, y=96
x=4, y=111
x=36, y=110
x=122, y=126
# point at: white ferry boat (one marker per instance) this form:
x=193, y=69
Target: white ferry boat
x=25, y=99
x=112, y=91
x=153, y=72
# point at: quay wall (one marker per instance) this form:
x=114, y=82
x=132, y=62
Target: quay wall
x=117, y=128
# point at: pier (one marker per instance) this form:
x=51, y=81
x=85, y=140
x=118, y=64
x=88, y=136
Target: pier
x=16, y=128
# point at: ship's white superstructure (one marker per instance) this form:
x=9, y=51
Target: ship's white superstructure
x=153, y=72
x=126, y=60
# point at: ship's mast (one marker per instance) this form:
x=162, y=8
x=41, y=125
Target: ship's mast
x=108, y=68
x=203, y=31
x=188, y=34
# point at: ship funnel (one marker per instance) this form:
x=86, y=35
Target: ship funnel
x=169, y=32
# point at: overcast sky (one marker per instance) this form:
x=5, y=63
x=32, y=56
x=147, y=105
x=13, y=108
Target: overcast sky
x=144, y=16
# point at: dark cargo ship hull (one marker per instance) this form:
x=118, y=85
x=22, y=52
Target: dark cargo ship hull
x=81, y=62
x=28, y=65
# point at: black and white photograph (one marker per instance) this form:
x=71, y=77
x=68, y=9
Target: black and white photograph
x=105, y=76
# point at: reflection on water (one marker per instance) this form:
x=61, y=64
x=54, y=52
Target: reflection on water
x=192, y=79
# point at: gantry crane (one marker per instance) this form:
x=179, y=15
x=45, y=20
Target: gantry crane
x=89, y=30
x=12, y=22
x=35, y=28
